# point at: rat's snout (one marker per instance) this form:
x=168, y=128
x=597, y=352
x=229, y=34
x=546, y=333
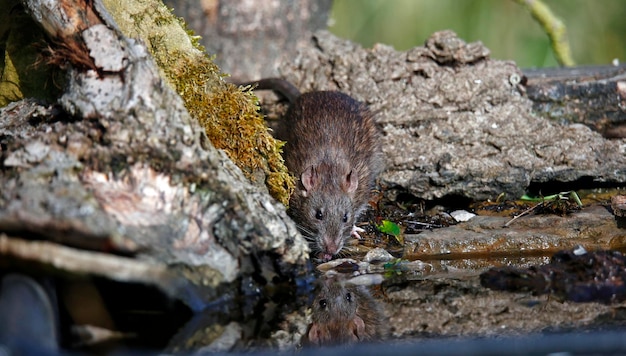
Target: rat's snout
x=331, y=246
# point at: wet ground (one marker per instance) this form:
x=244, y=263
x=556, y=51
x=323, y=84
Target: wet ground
x=422, y=269
x=414, y=277
x=445, y=298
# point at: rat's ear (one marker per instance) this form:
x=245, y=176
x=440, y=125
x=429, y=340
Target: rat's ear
x=351, y=182
x=358, y=328
x=309, y=178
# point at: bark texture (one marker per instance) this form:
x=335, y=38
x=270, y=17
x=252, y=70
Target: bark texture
x=252, y=38
x=121, y=167
x=455, y=122
x=594, y=96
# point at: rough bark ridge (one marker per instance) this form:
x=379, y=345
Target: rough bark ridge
x=594, y=96
x=129, y=171
x=454, y=121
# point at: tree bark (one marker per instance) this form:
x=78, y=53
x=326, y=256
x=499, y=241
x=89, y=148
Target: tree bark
x=252, y=38
x=594, y=96
x=456, y=123
x=120, y=167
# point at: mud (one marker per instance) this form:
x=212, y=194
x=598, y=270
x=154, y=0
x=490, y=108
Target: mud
x=460, y=306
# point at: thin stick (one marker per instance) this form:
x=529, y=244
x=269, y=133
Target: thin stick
x=554, y=28
x=525, y=212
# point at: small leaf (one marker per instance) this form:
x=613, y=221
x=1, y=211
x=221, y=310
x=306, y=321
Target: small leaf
x=552, y=197
x=527, y=197
x=390, y=228
x=574, y=196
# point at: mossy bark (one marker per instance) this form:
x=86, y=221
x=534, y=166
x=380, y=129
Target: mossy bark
x=120, y=166
x=228, y=114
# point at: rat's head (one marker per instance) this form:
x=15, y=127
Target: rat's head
x=334, y=314
x=331, y=217
x=324, y=210
x=335, y=301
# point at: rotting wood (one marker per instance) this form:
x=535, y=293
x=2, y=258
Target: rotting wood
x=592, y=95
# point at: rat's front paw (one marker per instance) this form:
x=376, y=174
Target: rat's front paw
x=355, y=231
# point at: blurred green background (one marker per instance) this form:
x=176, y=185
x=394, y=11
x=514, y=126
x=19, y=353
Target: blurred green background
x=596, y=28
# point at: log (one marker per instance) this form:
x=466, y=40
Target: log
x=251, y=38
x=456, y=123
x=119, y=167
x=591, y=95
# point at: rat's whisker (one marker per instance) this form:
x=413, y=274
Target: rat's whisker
x=306, y=233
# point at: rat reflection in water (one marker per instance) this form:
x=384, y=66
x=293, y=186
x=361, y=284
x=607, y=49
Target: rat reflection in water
x=344, y=313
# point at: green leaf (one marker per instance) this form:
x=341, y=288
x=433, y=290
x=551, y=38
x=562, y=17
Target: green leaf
x=574, y=196
x=390, y=228
x=560, y=196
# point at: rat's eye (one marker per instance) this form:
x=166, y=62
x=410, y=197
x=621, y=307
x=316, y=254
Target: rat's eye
x=323, y=303
x=319, y=215
x=349, y=297
x=345, y=217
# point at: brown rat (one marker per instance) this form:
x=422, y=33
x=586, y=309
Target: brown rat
x=333, y=148
x=343, y=313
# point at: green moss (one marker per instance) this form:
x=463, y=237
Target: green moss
x=231, y=120
x=229, y=115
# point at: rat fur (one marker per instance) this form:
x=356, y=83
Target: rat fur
x=344, y=313
x=333, y=148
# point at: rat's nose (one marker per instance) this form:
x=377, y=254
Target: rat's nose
x=332, y=247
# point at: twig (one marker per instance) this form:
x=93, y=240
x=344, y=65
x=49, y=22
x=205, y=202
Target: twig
x=427, y=225
x=554, y=28
x=525, y=212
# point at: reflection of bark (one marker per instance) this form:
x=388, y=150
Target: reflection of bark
x=251, y=38
x=129, y=172
x=575, y=275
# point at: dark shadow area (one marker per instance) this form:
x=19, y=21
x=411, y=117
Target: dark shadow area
x=553, y=187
